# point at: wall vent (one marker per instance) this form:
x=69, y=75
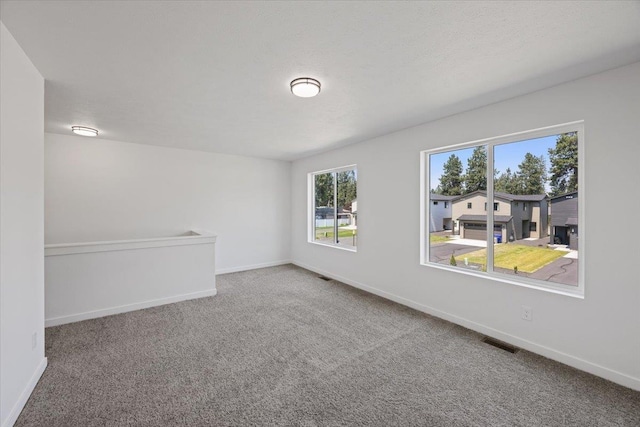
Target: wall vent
x=325, y=278
x=501, y=345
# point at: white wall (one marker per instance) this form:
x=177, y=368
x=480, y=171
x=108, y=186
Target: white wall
x=87, y=281
x=21, y=227
x=599, y=333
x=99, y=189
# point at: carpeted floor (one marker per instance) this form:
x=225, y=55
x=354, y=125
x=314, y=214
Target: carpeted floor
x=280, y=346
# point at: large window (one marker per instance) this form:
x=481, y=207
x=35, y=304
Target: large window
x=334, y=207
x=534, y=235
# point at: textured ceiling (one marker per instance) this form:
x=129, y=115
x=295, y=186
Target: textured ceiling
x=214, y=76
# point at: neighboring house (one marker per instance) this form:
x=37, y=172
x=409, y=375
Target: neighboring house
x=325, y=216
x=564, y=219
x=354, y=212
x=325, y=212
x=516, y=216
x=440, y=212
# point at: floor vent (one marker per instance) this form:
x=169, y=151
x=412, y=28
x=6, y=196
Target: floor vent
x=325, y=278
x=501, y=345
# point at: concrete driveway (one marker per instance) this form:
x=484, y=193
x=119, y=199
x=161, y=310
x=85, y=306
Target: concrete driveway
x=563, y=270
x=468, y=242
x=441, y=252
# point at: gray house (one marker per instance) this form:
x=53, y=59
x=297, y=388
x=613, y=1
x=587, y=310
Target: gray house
x=564, y=219
x=516, y=216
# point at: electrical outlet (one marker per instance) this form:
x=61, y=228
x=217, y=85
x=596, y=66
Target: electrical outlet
x=34, y=340
x=527, y=313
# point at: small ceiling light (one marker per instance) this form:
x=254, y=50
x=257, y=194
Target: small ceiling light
x=305, y=87
x=84, y=131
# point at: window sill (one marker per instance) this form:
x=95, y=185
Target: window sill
x=342, y=248
x=577, y=293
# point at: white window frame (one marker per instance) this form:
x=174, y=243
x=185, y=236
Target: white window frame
x=490, y=143
x=311, y=202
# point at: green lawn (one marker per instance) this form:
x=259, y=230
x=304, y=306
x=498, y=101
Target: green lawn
x=433, y=238
x=527, y=258
x=327, y=232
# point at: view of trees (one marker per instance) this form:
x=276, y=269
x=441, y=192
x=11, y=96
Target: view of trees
x=507, y=182
x=564, y=164
x=451, y=179
x=346, y=189
x=476, y=177
x=531, y=176
x=324, y=189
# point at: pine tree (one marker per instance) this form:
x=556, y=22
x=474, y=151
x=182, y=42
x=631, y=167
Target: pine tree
x=451, y=179
x=506, y=182
x=324, y=189
x=564, y=164
x=532, y=175
x=476, y=176
x=346, y=189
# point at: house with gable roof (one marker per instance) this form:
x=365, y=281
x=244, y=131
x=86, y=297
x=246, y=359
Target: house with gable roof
x=516, y=216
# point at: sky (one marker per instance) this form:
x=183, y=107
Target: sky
x=505, y=156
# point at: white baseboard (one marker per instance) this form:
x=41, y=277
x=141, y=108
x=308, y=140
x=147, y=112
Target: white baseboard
x=55, y=321
x=26, y=393
x=567, y=359
x=251, y=267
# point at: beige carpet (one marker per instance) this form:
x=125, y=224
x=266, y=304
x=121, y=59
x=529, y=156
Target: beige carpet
x=280, y=347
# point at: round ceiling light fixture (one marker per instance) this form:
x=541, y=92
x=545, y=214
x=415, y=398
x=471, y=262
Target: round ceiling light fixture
x=305, y=87
x=84, y=131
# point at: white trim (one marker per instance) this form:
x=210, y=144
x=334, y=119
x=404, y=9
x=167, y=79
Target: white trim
x=252, y=267
x=26, y=393
x=567, y=359
x=311, y=208
x=192, y=238
x=490, y=143
x=490, y=216
x=55, y=321
x=582, y=246
x=424, y=215
x=337, y=170
x=328, y=245
x=505, y=278
x=512, y=137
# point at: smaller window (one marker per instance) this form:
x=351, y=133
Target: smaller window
x=333, y=207
x=446, y=205
x=524, y=206
x=496, y=206
x=435, y=203
x=533, y=226
x=469, y=205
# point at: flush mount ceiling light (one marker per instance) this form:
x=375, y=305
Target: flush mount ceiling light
x=84, y=131
x=305, y=87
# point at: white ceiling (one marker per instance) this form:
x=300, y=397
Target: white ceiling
x=214, y=76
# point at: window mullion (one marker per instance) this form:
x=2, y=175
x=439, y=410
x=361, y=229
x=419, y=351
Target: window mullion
x=490, y=218
x=335, y=208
